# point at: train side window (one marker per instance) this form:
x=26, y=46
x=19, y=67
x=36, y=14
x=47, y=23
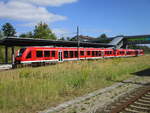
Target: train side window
x=76, y=53
x=106, y=52
x=39, y=54
x=46, y=53
x=88, y=53
x=97, y=53
x=82, y=53
x=53, y=53
x=110, y=52
x=29, y=55
x=71, y=54
x=93, y=53
x=130, y=52
x=100, y=54
x=65, y=54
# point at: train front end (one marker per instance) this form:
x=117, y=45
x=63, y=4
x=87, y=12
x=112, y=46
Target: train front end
x=19, y=55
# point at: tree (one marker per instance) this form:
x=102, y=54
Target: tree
x=103, y=36
x=68, y=38
x=43, y=31
x=62, y=38
x=23, y=35
x=8, y=30
x=73, y=39
x=27, y=35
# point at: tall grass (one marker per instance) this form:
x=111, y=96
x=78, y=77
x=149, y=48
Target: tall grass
x=30, y=89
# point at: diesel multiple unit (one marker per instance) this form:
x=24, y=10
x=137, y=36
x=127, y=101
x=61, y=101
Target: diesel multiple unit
x=60, y=54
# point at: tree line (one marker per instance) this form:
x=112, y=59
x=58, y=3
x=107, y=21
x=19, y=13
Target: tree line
x=41, y=30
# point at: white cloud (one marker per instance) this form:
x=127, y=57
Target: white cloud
x=49, y=2
x=27, y=12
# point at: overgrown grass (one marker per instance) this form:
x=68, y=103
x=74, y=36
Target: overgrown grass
x=28, y=90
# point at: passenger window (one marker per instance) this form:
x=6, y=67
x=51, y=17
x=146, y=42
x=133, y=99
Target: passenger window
x=82, y=53
x=76, y=53
x=46, y=53
x=65, y=54
x=93, y=53
x=71, y=54
x=88, y=53
x=99, y=53
x=106, y=52
x=53, y=53
x=110, y=52
x=29, y=55
x=39, y=54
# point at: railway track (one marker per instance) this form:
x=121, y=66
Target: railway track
x=137, y=102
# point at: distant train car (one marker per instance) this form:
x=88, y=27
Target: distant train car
x=31, y=55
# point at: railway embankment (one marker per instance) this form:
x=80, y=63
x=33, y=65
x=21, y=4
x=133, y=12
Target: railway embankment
x=30, y=89
x=101, y=100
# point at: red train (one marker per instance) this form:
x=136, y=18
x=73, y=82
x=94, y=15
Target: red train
x=60, y=54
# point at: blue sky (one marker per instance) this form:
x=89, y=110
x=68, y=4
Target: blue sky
x=94, y=17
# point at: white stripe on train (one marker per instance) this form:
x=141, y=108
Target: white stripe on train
x=72, y=59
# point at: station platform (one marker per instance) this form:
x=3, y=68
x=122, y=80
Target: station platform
x=5, y=66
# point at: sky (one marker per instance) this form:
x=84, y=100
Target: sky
x=94, y=17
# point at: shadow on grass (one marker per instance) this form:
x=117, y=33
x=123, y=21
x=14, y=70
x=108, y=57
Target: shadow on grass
x=145, y=72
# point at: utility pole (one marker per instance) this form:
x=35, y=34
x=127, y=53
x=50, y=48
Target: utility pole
x=78, y=48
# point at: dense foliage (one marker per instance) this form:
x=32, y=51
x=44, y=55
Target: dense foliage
x=103, y=36
x=27, y=35
x=8, y=30
x=43, y=31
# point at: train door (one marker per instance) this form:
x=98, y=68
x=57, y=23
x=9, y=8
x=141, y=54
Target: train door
x=137, y=53
x=60, y=58
x=115, y=52
x=103, y=53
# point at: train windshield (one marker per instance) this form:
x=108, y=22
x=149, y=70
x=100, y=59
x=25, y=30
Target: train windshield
x=21, y=51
